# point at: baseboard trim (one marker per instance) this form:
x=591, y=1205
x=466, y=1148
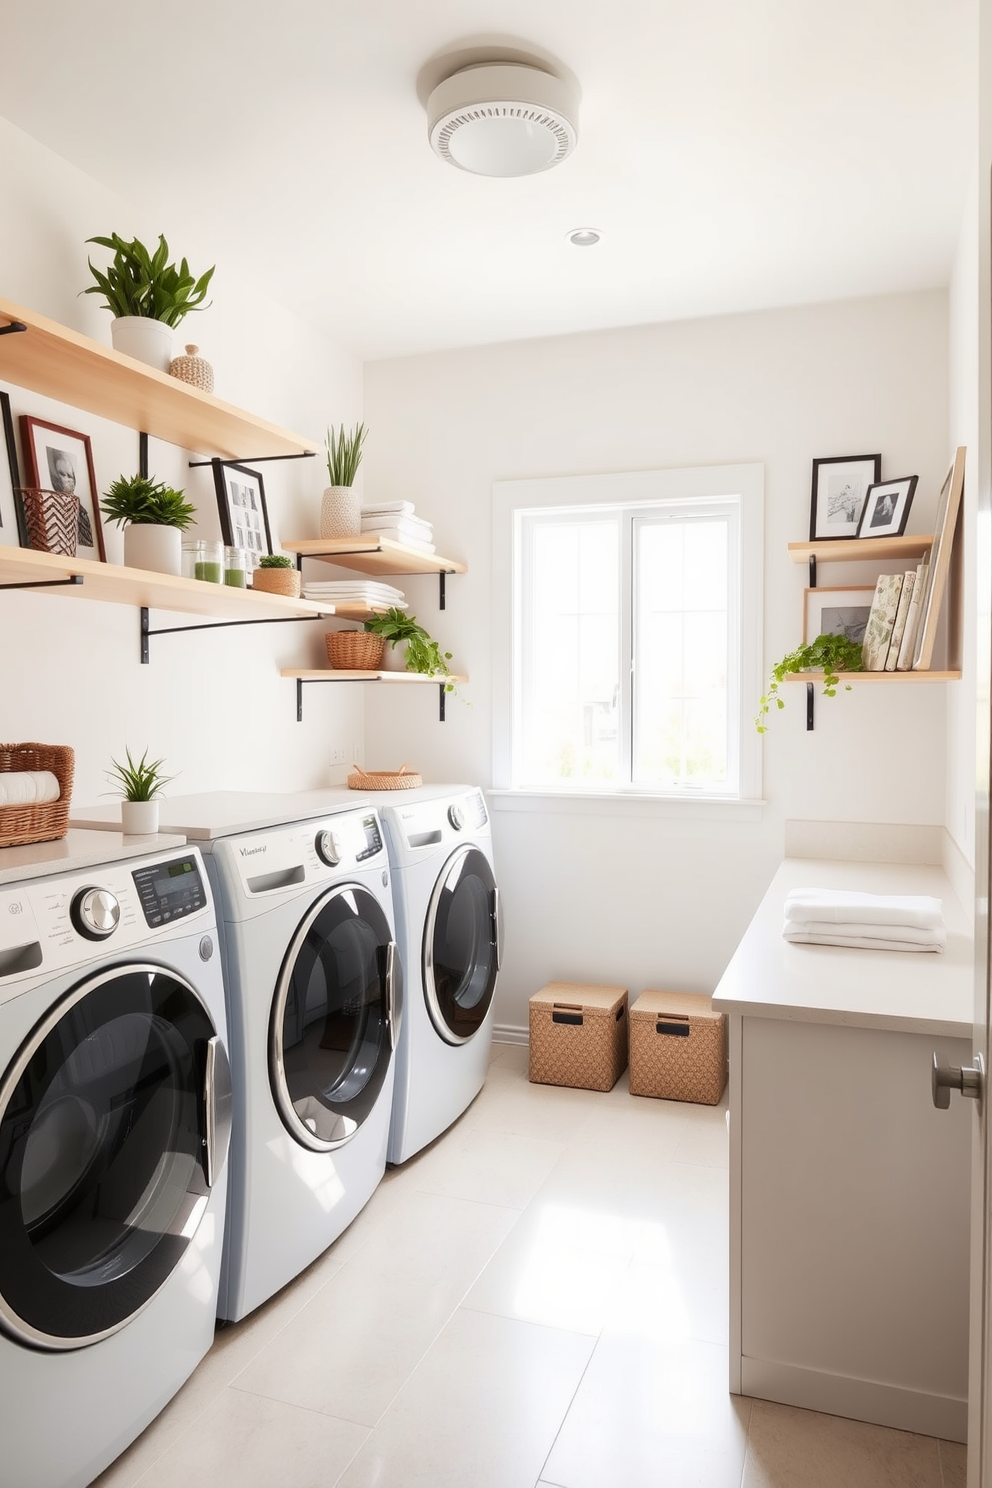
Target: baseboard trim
x=859, y=1400
x=510, y=1033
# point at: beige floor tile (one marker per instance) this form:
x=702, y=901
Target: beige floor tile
x=953, y=1464
x=790, y=1448
x=549, y=1111
x=652, y=1414
x=480, y=1411
x=255, y=1443
x=509, y=1061
x=706, y=1139
x=491, y=1167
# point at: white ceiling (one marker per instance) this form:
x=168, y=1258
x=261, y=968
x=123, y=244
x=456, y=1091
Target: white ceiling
x=736, y=154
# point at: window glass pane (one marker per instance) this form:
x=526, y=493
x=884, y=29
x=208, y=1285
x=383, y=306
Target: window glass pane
x=569, y=645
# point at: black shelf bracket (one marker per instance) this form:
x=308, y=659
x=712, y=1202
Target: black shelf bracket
x=299, y=695
x=12, y=328
x=46, y=583
x=253, y=459
x=809, y=707
x=143, y=454
x=146, y=630
x=442, y=689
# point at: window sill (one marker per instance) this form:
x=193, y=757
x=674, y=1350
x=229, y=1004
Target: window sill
x=630, y=803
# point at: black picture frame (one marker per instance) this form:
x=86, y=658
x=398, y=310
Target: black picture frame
x=13, y=532
x=886, y=508
x=840, y=486
x=244, y=516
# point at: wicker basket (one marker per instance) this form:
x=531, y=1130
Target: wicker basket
x=354, y=650
x=51, y=519
x=277, y=581
x=373, y=780
x=50, y=821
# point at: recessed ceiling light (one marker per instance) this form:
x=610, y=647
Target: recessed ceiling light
x=583, y=237
x=502, y=119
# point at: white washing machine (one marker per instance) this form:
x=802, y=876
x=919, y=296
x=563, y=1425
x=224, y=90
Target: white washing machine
x=313, y=1004
x=115, y=1111
x=449, y=933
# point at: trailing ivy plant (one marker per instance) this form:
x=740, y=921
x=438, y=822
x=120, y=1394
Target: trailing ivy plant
x=141, y=283
x=422, y=654
x=831, y=654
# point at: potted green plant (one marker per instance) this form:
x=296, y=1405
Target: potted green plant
x=341, y=507
x=831, y=654
x=277, y=574
x=153, y=516
x=140, y=783
x=408, y=645
x=148, y=297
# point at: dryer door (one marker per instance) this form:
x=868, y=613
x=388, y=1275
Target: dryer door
x=109, y=1140
x=461, y=946
x=331, y=1035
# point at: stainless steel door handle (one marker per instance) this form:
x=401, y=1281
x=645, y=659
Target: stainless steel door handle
x=217, y=1109
x=969, y=1079
x=392, y=965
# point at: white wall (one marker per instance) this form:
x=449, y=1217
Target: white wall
x=212, y=704
x=630, y=896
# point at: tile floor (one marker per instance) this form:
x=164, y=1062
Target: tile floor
x=539, y=1300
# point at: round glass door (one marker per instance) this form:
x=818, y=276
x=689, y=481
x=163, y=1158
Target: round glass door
x=461, y=946
x=331, y=1037
x=103, y=1152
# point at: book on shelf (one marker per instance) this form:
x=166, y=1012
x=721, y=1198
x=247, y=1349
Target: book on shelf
x=881, y=619
x=907, y=648
x=902, y=614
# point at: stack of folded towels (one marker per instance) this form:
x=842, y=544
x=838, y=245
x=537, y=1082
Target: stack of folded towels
x=398, y=521
x=28, y=787
x=874, y=922
x=356, y=592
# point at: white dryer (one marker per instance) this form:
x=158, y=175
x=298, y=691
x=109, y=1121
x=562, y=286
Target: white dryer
x=449, y=933
x=313, y=992
x=115, y=1108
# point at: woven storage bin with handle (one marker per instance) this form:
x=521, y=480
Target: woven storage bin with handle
x=678, y=1047
x=372, y=780
x=578, y=1035
x=48, y=822
x=354, y=650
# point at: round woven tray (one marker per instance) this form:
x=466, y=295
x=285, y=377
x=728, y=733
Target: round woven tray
x=354, y=650
x=401, y=779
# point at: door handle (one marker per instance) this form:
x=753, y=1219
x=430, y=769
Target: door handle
x=496, y=921
x=217, y=1114
x=390, y=979
x=969, y=1079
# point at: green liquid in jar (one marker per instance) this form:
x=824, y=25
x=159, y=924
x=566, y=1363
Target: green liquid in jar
x=235, y=577
x=211, y=573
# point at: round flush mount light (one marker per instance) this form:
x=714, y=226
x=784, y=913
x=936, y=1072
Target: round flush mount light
x=584, y=237
x=503, y=119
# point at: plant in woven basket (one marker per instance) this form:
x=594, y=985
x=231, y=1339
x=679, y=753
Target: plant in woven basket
x=344, y=454
x=139, y=501
x=138, y=282
x=138, y=780
x=830, y=654
x=423, y=655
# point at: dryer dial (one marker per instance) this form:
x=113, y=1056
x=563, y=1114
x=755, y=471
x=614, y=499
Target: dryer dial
x=456, y=817
x=328, y=845
x=95, y=913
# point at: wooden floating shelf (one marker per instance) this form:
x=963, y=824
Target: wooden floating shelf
x=843, y=678
x=858, y=549
x=372, y=555
x=51, y=359
x=114, y=584
x=342, y=675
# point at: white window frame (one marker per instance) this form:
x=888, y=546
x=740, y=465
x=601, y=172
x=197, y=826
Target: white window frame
x=706, y=484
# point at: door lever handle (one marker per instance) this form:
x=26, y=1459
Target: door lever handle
x=969, y=1079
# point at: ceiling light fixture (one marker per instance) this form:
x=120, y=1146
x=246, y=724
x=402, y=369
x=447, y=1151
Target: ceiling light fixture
x=583, y=237
x=503, y=119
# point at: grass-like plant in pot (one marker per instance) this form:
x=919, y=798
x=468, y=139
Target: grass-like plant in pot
x=422, y=654
x=139, y=783
x=154, y=516
x=341, y=507
x=831, y=654
x=148, y=295
x=277, y=574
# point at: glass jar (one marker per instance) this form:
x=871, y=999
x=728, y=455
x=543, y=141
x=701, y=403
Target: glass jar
x=236, y=567
x=210, y=562
x=191, y=556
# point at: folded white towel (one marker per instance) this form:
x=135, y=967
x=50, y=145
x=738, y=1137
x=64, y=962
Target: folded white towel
x=28, y=787
x=410, y=526
x=399, y=537
x=859, y=931
x=851, y=907
x=861, y=942
x=388, y=508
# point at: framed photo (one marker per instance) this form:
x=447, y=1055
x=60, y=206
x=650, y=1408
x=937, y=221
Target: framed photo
x=840, y=486
x=837, y=612
x=58, y=459
x=886, y=508
x=935, y=575
x=244, y=517
x=12, y=531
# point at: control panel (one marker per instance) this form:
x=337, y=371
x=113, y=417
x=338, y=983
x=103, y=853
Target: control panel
x=316, y=851
x=171, y=890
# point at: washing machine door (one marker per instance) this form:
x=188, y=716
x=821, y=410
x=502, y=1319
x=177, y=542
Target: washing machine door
x=462, y=946
x=332, y=1031
x=114, y=1120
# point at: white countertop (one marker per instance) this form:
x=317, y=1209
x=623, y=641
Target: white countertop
x=78, y=849
x=213, y=814
x=769, y=977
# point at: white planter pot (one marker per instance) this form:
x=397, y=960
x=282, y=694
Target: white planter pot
x=147, y=340
x=393, y=657
x=341, y=512
x=156, y=549
x=139, y=818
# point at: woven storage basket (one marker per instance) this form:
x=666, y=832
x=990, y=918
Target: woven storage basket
x=678, y=1047
x=277, y=581
x=354, y=650
x=46, y=823
x=578, y=1035
x=51, y=519
x=372, y=780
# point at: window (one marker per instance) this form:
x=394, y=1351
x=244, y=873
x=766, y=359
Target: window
x=630, y=626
